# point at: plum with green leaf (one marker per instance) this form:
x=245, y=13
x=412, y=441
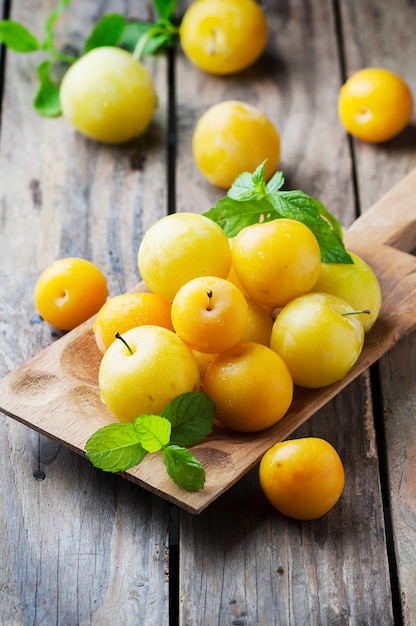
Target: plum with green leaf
x=252, y=200
x=108, y=95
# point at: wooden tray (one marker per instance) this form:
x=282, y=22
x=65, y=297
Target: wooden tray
x=56, y=391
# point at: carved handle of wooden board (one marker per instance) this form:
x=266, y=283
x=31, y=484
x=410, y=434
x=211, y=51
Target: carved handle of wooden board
x=392, y=220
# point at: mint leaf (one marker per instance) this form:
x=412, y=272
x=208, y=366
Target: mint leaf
x=115, y=448
x=275, y=183
x=234, y=215
x=258, y=179
x=154, y=37
x=165, y=8
x=295, y=205
x=157, y=41
x=243, y=188
x=253, y=186
x=17, y=37
x=192, y=416
x=249, y=186
x=183, y=468
x=132, y=32
x=335, y=225
x=145, y=39
x=153, y=431
x=107, y=32
x=47, y=101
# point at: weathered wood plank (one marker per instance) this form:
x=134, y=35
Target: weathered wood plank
x=86, y=546
x=398, y=376
x=77, y=546
x=249, y=564
x=391, y=44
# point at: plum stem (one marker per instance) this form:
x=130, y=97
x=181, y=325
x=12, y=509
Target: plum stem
x=365, y=311
x=209, y=294
x=118, y=336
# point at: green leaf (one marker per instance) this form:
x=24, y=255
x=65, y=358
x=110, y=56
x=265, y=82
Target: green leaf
x=332, y=248
x=144, y=38
x=50, y=22
x=156, y=42
x=159, y=35
x=234, y=215
x=153, y=431
x=258, y=179
x=46, y=101
x=253, y=186
x=243, y=189
x=18, y=37
x=295, y=205
x=192, y=417
x=165, y=8
x=275, y=183
x=107, y=32
x=132, y=32
x=183, y=468
x=115, y=448
x=335, y=225
x=249, y=186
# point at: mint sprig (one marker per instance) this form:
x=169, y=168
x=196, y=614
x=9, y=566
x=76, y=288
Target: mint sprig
x=19, y=38
x=250, y=201
x=187, y=419
x=144, y=38
x=114, y=29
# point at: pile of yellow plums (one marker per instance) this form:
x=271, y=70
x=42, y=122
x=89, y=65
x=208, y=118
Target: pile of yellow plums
x=244, y=319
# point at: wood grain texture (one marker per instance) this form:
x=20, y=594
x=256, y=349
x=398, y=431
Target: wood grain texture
x=392, y=219
x=390, y=43
x=75, y=549
x=277, y=576
x=82, y=547
x=398, y=376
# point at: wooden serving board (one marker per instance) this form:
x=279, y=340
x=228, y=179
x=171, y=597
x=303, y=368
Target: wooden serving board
x=56, y=392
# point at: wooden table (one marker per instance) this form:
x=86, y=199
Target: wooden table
x=82, y=547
